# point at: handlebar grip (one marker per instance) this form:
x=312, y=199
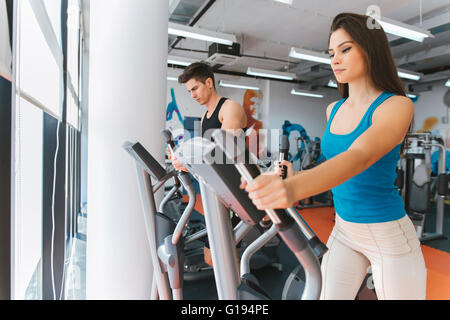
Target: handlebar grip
x=283, y=172
x=443, y=184
x=318, y=247
x=167, y=135
x=284, y=150
x=185, y=179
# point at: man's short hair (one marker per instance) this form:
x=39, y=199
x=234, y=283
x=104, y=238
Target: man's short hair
x=199, y=71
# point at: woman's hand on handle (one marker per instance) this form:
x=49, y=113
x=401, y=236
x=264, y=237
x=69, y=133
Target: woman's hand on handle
x=290, y=168
x=269, y=191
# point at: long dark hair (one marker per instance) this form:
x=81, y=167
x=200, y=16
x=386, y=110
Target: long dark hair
x=374, y=43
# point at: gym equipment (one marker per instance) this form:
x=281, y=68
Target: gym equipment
x=308, y=152
x=295, y=284
x=220, y=191
x=165, y=238
x=166, y=251
x=416, y=181
x=267, y=256
x=309, y=155
x=194, y=265
x=284, y=152
x=170, y=236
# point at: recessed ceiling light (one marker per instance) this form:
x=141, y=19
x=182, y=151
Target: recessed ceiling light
x=402, y=29
x=271, y=74
x=332, y=84
x=309, y=55
x=237, y=85
x=180, y=61
x=289, y=2
x=411, y=75
x=307, y=93
x=200, y=34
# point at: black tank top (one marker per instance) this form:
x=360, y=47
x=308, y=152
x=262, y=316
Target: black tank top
x=213, y=122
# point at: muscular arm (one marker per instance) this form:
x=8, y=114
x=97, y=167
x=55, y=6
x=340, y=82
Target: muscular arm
x=390, y=123
x=232, y=116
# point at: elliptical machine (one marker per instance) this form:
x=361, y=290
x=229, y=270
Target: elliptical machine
x=267, y=256
x=165, y=239
x=170, y=239
x=220, y=190
x=415, y=181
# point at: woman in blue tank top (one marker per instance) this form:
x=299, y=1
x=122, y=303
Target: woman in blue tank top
x=362, y=144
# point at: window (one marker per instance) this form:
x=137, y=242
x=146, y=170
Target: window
x=46, y=114
x=40, y=69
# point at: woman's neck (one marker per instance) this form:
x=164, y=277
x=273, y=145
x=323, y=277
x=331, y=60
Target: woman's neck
x=362, y=91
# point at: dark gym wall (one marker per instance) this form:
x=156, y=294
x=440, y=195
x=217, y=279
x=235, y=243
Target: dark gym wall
x=5, y=179
x=5, y=188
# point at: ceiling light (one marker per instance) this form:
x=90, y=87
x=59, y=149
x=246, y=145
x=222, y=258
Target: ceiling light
x=289, y=2
x=309, y=55
x=307, y=93
x=200, y=34
x=271, y=74
x=172, y=78
x=237, y=85
x=410, y=95
x=402, y=29
x=332, y=84
x=409, y=74
x=180, y=61
x=447, y=84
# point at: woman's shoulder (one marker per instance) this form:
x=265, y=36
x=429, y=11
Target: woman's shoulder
x=397, y=106
x=396, y=98
x=330, y=108
x=396, y=103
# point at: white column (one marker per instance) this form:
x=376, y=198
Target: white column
x=127, y=100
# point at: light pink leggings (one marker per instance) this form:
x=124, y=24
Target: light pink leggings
x=391, y=249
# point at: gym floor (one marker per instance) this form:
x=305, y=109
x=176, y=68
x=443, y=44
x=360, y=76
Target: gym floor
x=321, y=220
x=436, y=253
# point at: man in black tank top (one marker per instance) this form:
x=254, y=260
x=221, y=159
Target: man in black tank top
x=222, y=113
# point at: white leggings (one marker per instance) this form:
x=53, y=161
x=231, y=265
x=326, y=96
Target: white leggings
x=391, y=248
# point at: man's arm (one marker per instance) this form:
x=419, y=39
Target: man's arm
x=232, y=116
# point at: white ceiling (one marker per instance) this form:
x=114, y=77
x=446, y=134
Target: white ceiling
x=268, y=29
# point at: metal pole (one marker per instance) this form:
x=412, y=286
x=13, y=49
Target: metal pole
x=222, y=243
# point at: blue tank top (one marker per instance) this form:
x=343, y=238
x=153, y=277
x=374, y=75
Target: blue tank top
x=370, y=196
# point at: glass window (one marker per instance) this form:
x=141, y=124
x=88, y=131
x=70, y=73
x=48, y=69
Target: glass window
x=40, y=76
x=54, y=13
x=72, y=110
x=5, y=48
x=73, y=36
